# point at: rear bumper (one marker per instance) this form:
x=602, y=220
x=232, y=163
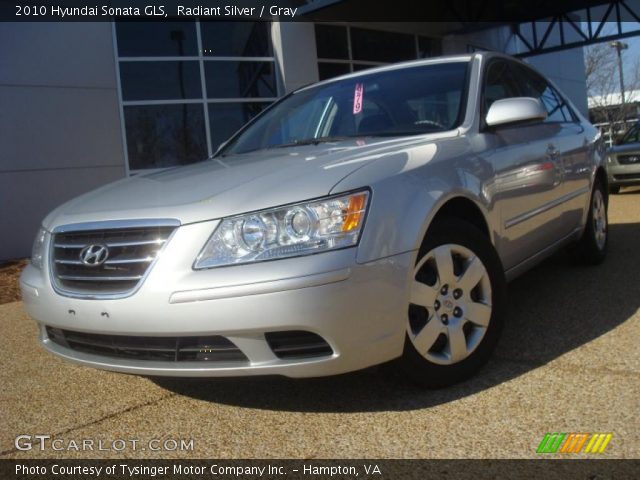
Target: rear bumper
x=359, y=310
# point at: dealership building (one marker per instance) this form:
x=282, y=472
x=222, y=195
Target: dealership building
x=84, y=104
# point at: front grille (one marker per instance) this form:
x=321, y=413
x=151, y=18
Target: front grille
x=297, y=344
x=629, y=159
x=163, y=349
x=627, y=176
x=129, y=254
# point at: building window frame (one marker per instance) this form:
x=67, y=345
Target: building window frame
x=204, y=101
x=350, y=61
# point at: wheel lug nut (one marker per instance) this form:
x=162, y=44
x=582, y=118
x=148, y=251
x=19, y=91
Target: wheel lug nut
x=444, y=319
x=436, y=305
x=457, y=293
x=444, y=290
x=457, y=312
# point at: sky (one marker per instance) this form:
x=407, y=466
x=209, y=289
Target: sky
x=630, y=56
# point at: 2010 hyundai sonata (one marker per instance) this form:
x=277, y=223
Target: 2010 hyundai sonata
x=372, y=217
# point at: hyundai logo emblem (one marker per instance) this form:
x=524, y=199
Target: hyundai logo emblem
x=94, y=255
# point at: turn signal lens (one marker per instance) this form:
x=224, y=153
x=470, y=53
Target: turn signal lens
x=355, y=212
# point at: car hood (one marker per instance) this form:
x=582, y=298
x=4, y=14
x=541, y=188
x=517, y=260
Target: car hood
x=232, y=185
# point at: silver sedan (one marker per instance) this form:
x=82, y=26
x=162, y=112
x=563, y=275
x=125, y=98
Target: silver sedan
x=370, y=218
x=623, y=161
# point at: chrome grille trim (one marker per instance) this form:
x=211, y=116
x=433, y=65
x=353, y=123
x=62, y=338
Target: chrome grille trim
x=80, y=278
x=132, y=256
x=113, y=224
x=108, y=262
x=112, y=244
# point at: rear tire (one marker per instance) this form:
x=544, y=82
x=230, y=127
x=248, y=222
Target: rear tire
x=456, y=308
x=592, y=246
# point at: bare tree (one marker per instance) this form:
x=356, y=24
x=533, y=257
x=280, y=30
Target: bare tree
x=603, y=84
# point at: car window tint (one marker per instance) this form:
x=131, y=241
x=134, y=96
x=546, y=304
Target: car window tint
x=632, y=136
x=500, y=83
x=396, y=102
x=533, y=85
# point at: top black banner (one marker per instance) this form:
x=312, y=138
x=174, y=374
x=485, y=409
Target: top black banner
x=467, y=12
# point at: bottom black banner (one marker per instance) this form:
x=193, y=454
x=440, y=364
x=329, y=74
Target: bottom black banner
x=546, y=469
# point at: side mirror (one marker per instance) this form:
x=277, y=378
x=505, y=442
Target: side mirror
x=515, y=110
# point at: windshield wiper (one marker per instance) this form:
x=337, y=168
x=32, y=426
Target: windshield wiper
x=406, y=133
x=312, y=141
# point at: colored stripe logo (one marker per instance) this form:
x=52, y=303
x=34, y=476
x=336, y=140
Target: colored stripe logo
x=574, y=443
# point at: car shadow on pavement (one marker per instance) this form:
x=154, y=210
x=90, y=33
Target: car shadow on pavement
x=553, y=309
x=629, y=191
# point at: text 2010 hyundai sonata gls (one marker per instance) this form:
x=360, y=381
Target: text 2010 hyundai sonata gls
x=372, y=217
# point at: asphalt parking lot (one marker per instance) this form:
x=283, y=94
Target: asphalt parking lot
x=568, y=362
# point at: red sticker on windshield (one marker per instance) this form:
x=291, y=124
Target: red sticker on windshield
x=357, y=98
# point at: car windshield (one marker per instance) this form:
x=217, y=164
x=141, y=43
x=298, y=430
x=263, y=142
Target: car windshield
x=632, y=136
x=407, y=101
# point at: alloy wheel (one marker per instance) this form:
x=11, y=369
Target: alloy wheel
x=450, y=304
x=599, y=219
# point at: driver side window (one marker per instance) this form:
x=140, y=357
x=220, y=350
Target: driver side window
x=533, y=85
x=500, y=82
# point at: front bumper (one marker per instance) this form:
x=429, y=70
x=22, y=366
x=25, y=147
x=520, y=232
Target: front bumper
x=358, y=309
x=621, y=175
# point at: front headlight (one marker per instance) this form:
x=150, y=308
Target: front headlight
x=289, y=231
x=37, y=251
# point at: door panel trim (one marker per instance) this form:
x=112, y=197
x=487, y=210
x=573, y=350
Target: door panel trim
x=523, y=217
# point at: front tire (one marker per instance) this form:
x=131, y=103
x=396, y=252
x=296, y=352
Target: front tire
x=615, y=189
x=456, y=306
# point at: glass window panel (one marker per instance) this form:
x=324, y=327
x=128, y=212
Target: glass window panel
x=156, y=39
x=429, y=47
x=394, y=103
x=240, y=79
x=632, y=136
x=499, y=83
x=362, y=66
x=331, y=42
x=165, y=135
x=236, y=39
x=533, y=85
x=330, y=70
x=377, y=46
x=160, y=80
x=225, y=119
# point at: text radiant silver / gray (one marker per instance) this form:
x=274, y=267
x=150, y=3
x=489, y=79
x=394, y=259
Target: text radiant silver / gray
x=368, y=218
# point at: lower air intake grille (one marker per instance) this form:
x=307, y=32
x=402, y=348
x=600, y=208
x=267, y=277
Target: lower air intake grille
x=629, y=159
x=627, y=176
x=298, y=344
x=163, y=349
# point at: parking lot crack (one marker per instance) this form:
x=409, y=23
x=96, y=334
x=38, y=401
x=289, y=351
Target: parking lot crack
x=131, y=408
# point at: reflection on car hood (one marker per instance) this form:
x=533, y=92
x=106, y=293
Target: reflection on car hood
x=231, y=185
